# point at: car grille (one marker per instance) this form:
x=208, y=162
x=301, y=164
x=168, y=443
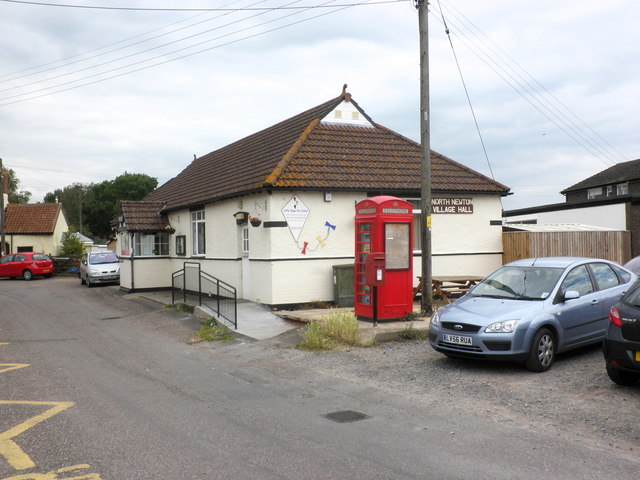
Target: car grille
x=462, y=348
x=497, y=346
x=466, y=327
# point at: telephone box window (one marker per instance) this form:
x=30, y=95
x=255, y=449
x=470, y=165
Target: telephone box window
x=397, y=245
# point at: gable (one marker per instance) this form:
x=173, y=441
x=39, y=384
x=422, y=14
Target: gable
x=333, y=146
x=32, y=218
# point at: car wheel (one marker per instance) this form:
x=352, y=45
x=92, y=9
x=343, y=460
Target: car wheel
x=620, y=377
x=89, y=285
x=27, y=275
x=542, y=352
x=82, y=282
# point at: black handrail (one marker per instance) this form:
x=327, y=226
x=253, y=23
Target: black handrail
x=224, y=293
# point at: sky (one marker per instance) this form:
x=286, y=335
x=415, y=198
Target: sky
x=537, y=95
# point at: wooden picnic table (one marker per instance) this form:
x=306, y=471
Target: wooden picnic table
x=446, y=286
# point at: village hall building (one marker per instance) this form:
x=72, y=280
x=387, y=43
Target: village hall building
x=273, y=213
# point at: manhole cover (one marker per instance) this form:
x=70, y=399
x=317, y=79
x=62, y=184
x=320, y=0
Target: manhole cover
x=346, y=416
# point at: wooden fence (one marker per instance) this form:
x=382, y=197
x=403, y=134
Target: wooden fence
x=610, y=245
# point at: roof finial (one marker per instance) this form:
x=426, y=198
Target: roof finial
x=345, y=95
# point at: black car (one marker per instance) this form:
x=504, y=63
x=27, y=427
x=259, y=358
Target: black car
x=622, y=339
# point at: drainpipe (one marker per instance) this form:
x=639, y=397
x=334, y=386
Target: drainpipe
x=133, y=254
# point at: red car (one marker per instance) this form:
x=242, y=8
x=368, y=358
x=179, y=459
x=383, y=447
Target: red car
x=26, y=265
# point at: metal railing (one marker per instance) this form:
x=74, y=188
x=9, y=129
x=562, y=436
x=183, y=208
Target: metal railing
x=199, y=287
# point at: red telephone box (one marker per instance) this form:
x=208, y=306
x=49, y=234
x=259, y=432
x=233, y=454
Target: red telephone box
x=384, y=258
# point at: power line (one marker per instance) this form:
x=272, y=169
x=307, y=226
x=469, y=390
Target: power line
x=62, y=87
x=525, y=85
x=138, y=53
x=141, y=9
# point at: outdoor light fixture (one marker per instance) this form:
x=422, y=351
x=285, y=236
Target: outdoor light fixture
x=241, y=217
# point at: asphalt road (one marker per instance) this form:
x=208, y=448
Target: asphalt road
x=95, y=384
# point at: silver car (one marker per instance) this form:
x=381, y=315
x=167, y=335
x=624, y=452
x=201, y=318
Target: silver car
x=529, y=310
x=99, y=267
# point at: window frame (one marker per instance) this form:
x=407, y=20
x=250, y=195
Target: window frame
x=198, y=233
x=181, y=245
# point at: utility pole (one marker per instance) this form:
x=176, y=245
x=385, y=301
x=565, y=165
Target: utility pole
x=2, y=212
x=425, y=140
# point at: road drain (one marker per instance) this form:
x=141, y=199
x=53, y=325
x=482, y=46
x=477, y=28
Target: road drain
x=110, y=318
x=346, y=416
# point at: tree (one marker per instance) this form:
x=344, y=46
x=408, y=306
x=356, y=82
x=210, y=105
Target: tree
x=71, y=244
x=102, y=200
x=90, y=208
x=16, y=196
x=71, y=197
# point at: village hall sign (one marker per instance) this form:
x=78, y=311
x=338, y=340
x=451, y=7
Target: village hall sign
x=452, y=205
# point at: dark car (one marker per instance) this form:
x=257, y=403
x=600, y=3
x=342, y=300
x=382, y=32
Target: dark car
x=26, y=265
x=622, y=339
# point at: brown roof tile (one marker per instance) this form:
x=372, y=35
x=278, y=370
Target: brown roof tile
x=32, y=218
x=303, y=153
x=143, y=216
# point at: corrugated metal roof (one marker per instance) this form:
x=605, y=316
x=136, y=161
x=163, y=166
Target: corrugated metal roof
x=556, y=227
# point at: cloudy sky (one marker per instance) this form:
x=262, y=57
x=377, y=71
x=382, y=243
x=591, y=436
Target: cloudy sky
x=89, y=93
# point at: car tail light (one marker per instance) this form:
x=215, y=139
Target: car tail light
x=614, y=316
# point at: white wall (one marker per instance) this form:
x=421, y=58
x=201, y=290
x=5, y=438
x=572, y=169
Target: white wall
x=607, y=216
x=280, y=273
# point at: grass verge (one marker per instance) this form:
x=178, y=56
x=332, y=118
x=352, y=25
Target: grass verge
x=338, y=328
x=212, y=331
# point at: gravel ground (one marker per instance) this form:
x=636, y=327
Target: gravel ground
x=575, y=398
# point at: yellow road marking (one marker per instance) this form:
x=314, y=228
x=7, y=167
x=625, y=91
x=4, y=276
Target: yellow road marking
x=53, y=475
x=12, y=366
x=9, y=449
x=5, y=343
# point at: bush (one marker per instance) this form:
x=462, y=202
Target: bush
x=71, y=244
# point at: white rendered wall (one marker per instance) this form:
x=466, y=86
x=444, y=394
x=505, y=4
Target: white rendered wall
x=606, y=216
x=280, y=273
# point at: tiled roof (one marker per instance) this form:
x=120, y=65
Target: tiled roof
x=304, y=153
x=619, y=173
x=32, y=218
x=143, y=216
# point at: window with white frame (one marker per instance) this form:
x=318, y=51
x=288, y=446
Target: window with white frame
x=198, y=232
x=622, y=188
x=245, y=241
x=149, y=244
x=125, y=244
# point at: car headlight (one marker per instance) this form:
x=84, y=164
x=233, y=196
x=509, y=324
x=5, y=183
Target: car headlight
x=505, y=326
x=435, y=318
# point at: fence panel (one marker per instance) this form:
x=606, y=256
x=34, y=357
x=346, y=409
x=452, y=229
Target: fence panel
x=610, y=245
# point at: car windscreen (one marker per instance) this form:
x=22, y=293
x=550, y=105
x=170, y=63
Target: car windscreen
x=40, y=256
x=520, y=283
x=102, y=257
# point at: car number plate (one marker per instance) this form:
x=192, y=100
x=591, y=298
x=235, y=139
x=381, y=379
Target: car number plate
x=637, y=356
x=457, y=339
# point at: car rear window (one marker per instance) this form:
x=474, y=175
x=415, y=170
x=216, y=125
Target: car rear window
x=40, y=256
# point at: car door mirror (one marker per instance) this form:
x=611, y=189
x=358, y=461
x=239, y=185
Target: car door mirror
x=571, y=294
